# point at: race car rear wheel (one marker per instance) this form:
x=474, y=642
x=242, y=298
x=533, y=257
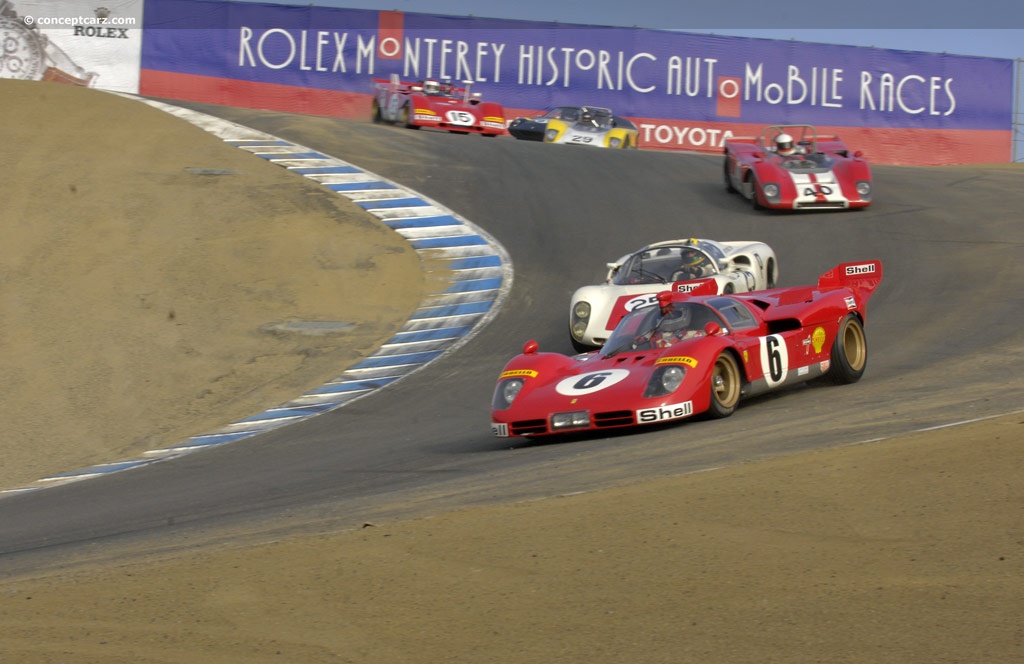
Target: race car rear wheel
x=406, y=120
x=849, y=354
x=726, y=385
x=770, y=270
x=375, y=112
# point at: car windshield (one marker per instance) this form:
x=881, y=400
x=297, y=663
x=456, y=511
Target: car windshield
x=596, y=117
x=435, y=89
x=648, y=327
x=808, y=163
x=665, y=265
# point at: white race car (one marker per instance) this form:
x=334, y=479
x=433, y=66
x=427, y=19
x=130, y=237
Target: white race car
x=636, y=279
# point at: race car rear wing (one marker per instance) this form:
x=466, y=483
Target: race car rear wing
x=396, y=84
x=864, y=274
x=861, y=277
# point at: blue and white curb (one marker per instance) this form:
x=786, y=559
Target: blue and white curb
x=481, y=279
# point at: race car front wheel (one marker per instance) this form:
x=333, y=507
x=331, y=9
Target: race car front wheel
x=754, y=189
x=726, y=385
x=375, y=112
x=849, y=352
x=728, y=178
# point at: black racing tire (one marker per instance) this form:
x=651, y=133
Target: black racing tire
x=754, y=187
x=726, y=386
x=375, y=112
x=770, y=271
x=849, y=355
x=728, y=290
x=728, y=181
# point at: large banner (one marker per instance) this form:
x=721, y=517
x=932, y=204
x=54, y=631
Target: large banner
x=685, y=91
x=79, y=42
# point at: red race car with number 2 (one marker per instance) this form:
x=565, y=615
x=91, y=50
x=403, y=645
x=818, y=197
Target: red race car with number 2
x=692, y=353
x=435, y=104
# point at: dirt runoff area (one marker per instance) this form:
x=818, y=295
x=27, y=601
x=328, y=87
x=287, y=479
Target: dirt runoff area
x=134, y=281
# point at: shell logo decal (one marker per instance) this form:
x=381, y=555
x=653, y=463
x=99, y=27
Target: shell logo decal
x=818, y=338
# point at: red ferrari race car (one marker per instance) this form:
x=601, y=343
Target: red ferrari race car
x=435, y=104
x=691, y=353
x=791, y=167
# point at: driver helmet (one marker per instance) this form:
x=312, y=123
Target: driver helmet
x=784, y=145
x=431, y=87
x=692, y=260
x=586, y=115
x=675, y=320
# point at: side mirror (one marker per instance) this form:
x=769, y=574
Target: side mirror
x=530, y=347
x=858, y=153
x=712, y=328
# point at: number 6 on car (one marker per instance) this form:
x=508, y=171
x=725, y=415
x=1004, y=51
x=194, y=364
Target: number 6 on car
x=688, y=353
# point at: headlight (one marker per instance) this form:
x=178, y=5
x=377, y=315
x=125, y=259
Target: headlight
x=574, y=420
x=551, y=134
x=580, y=318
x=864, y=189
x=506, y=393
x=614, y=142
x=665, y=380
x=771, y=191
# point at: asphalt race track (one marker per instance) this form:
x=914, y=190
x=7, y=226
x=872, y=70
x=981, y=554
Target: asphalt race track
x=944, y=337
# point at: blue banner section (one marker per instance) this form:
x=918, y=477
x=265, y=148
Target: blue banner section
x=531, y=65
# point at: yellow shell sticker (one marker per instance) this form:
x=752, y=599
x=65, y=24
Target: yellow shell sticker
x=818, y=339
x=746, y=357
x=530, y=373
x=680, y=359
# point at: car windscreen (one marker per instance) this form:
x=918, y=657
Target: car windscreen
x=662, y=265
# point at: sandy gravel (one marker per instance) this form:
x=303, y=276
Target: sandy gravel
x=137, y=294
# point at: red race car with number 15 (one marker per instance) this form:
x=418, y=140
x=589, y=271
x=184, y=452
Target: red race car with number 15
x=435, y=104
x=691, y=353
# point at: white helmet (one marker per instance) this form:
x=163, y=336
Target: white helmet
x=784, y=145
x=431, y=87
